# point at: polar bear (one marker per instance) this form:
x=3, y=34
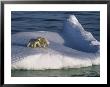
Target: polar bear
x=39, y=42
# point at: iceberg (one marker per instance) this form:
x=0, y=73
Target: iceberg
x=78, y=38
x=73, y=48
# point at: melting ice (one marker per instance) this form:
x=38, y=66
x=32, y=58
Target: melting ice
x=73, y=48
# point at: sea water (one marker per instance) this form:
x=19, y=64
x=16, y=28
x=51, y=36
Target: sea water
x=54, y=21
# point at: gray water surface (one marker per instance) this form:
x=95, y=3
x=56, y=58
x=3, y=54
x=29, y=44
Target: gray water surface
x=91, y=71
